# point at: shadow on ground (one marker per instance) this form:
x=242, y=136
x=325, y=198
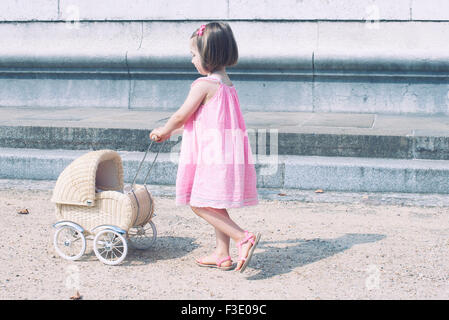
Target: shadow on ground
x=165, y=248
x=280, y=257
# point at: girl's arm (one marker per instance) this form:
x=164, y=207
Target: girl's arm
x=178, y=131
x=196, y=95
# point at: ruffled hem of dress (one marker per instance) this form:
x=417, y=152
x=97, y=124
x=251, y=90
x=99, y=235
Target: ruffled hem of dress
x=217, y=204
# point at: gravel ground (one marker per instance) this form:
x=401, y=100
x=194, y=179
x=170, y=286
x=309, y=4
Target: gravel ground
x=328, y=246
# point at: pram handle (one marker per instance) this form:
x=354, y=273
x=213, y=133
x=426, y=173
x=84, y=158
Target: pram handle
x=141, y=163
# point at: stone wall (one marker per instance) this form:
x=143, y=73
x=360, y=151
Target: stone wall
x=311, y=55
x=306, y=10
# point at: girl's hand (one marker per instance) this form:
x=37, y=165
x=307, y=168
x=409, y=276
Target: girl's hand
x=159, y=135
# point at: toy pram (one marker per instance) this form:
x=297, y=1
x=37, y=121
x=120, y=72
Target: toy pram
x=91, y=201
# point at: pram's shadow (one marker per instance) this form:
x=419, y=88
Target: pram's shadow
x=276, y=260
x=165, y=248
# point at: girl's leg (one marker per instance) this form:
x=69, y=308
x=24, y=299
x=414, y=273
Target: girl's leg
x=220, y=219
x=222, y=245
x=221, y=250
x=223, y=241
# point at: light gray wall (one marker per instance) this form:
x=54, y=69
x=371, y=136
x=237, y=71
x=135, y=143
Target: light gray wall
x=311, y=55
x=54, y=10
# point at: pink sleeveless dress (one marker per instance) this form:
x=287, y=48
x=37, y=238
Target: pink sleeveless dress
x=216, y=167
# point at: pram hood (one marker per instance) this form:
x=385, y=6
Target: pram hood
x=102, y=169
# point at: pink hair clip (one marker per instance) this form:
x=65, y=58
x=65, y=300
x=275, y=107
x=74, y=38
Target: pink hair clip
x=201, y=30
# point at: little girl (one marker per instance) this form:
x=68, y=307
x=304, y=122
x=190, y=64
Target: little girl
x=215, y=169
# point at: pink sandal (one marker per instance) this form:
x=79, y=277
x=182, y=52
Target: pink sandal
x=254, y=240
x=218, y=263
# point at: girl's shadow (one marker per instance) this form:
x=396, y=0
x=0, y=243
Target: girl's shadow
x=279, y=260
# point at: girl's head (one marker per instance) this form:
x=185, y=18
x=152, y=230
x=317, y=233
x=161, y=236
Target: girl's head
x=213, y=47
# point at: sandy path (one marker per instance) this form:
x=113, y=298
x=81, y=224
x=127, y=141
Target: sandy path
x=308, y=251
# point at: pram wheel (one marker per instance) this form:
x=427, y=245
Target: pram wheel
x=142, y=238
x=69, y=242
x=110, y=247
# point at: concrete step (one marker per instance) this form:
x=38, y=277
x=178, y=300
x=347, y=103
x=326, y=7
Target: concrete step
x=283, y=133
x=283, y=171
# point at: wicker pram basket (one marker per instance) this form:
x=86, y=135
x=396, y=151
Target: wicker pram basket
x=91, y=200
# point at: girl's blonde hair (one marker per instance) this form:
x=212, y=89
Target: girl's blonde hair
x=216, y=46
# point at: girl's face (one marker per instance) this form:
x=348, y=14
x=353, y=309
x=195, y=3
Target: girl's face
x=196, y=59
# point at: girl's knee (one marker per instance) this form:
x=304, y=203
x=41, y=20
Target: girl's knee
x=200, y=210
x=193, y=207
x=196, y=209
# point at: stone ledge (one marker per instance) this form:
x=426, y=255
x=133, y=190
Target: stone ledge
x=400, y=67
x=289, y=143
x=284, y=133
x=410, y=49
x=296, y=172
